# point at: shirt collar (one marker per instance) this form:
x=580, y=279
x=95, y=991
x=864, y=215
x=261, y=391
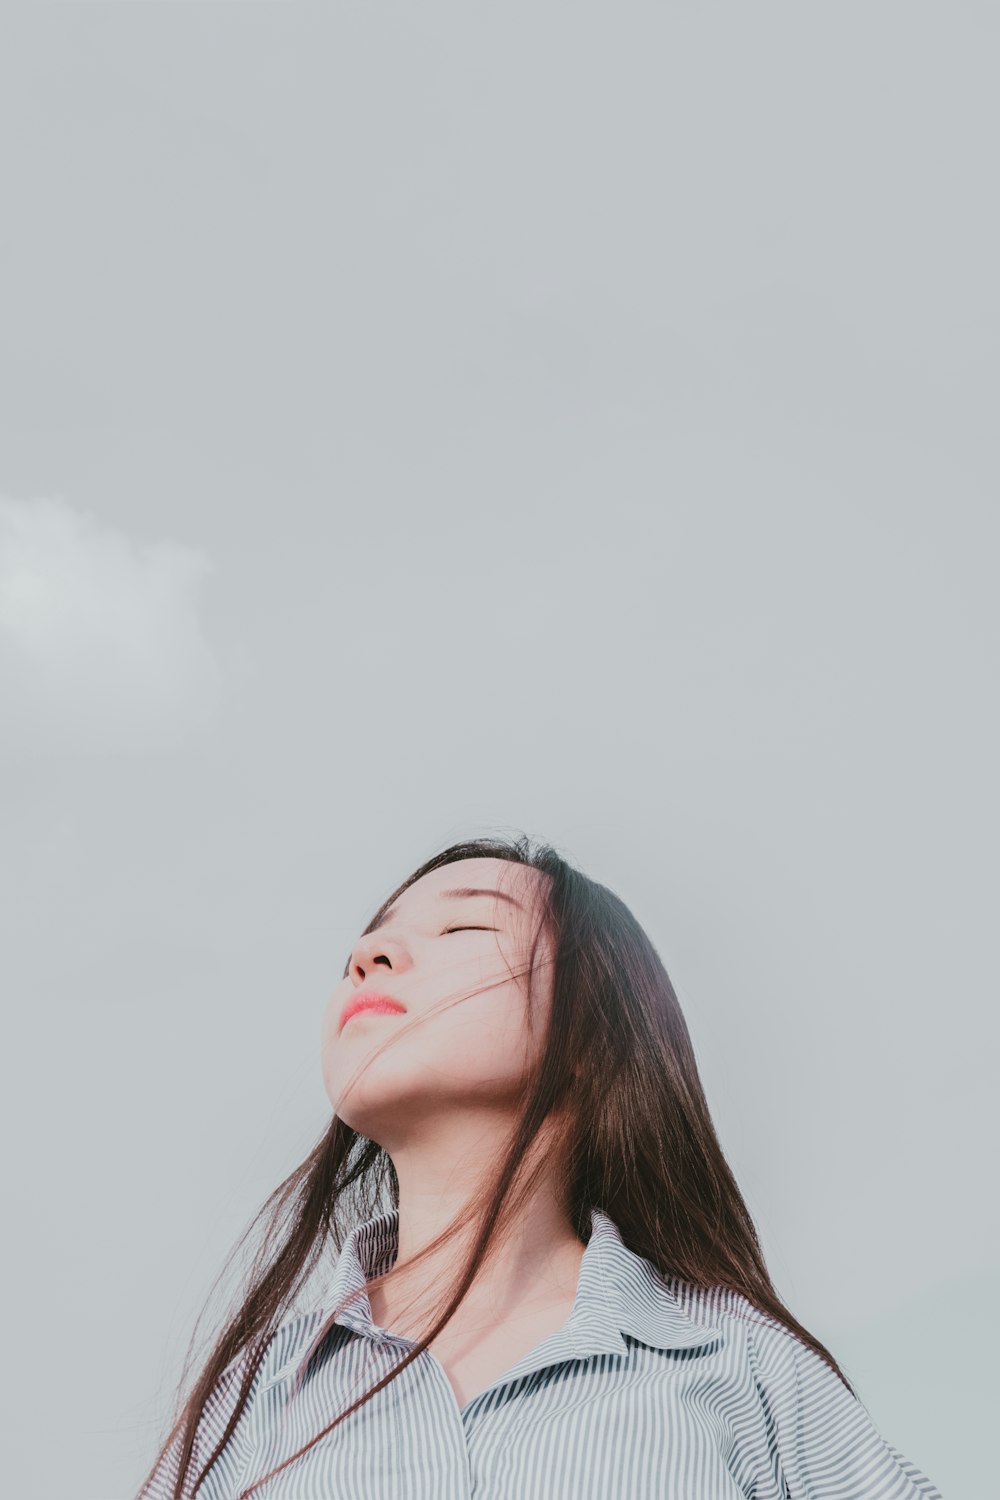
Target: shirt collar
x=618, y=1293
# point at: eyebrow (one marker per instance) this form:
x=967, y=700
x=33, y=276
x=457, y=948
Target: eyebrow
x=459, y=892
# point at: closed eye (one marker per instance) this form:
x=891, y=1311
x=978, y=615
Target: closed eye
x=347, y=966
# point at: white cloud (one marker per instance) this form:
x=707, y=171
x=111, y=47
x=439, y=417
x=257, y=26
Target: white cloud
x=101, y=645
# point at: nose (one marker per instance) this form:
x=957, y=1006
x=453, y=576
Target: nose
x=370, y=951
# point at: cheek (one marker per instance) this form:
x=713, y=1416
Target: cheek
x=486, y=1034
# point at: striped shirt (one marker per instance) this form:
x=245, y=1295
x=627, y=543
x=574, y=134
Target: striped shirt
x=652, y=1390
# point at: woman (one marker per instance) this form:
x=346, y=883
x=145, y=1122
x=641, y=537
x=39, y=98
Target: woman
x=565, y=1296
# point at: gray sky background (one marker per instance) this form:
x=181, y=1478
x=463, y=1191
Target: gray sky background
x=422, y=421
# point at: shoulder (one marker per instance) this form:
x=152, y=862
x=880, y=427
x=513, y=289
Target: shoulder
x=783, y=1367
x=738, y=1321
x=820, y=1434
x=283, y=1347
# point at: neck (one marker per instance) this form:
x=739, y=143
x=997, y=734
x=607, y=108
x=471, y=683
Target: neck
x=536, y=1266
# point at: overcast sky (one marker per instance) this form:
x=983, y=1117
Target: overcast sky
x=419, y=422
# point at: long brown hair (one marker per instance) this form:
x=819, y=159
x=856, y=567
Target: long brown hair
x=635, y=1139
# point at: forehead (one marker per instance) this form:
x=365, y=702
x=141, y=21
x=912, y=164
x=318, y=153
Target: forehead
x=489, y=875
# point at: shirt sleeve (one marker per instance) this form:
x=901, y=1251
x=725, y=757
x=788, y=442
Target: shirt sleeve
x=824, y=1443
x=230, y=1464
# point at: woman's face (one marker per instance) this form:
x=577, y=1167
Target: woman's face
x=458, y=964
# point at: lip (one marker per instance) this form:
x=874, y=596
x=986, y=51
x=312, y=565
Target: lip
x=372, y=1000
